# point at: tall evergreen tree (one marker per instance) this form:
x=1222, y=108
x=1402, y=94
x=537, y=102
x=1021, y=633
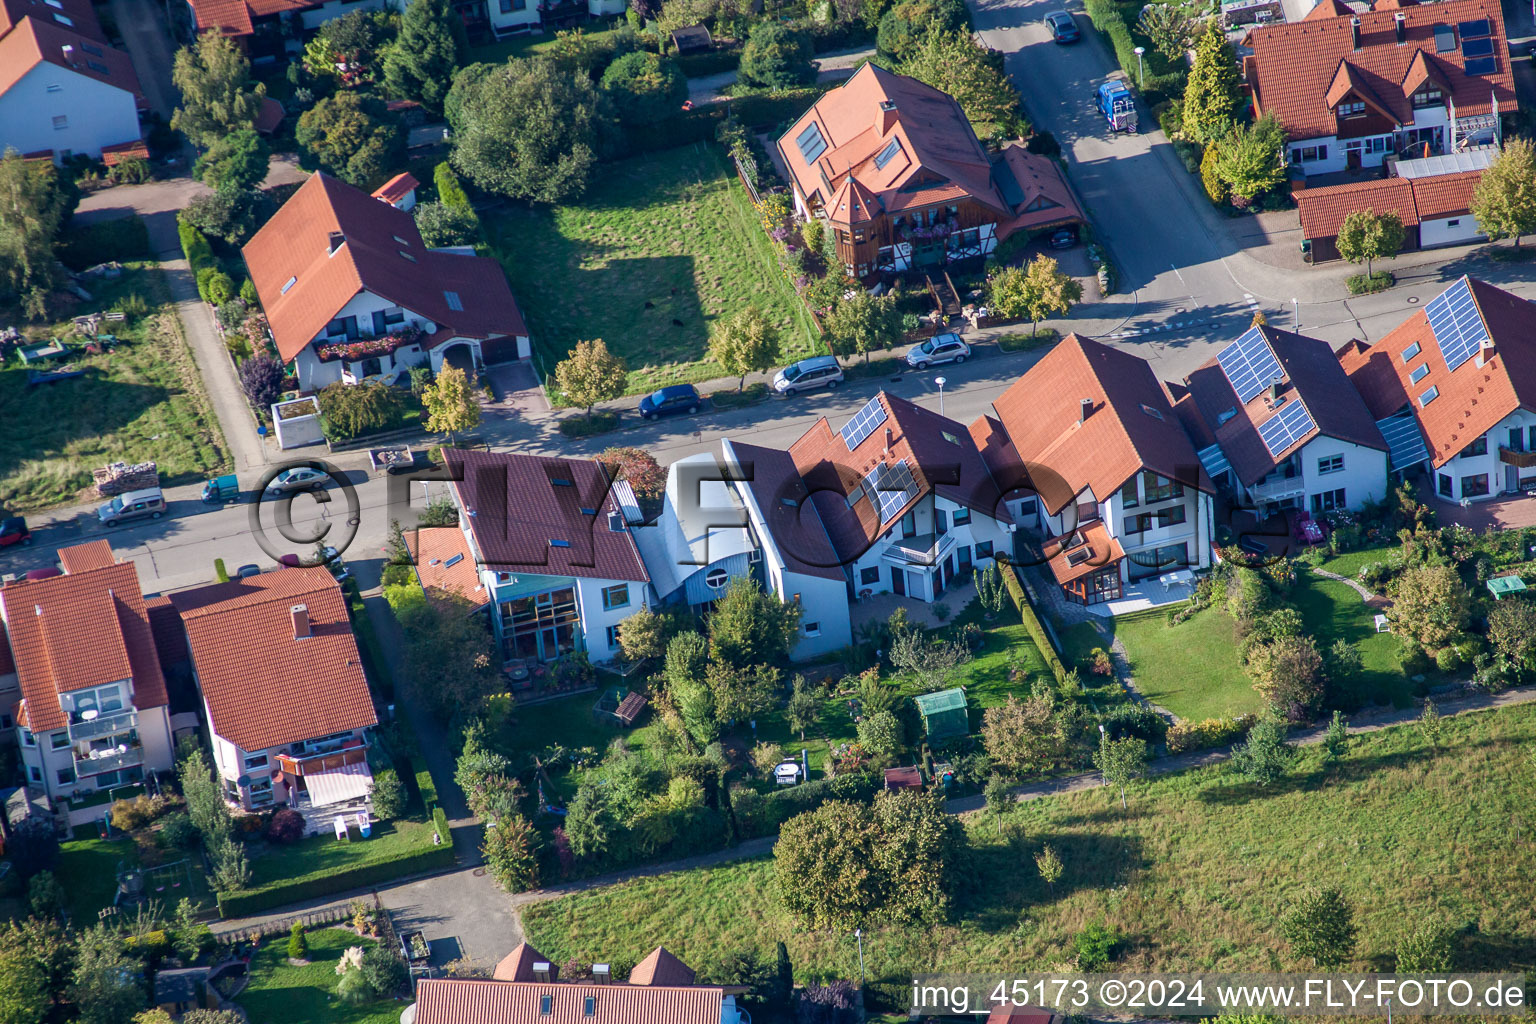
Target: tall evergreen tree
x=217, y=93
x=1212, y=99
x=431, y=47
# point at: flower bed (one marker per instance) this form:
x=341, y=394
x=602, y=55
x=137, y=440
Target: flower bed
x=352, y=351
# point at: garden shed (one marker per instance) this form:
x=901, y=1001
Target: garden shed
x=620, y=705
x=944, y=714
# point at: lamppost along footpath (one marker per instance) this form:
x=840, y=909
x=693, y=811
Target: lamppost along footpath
x=858, y=934
x=1140, y=81
x=940, y=381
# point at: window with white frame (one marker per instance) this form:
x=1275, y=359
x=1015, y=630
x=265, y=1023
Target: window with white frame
x=813, y=629
x=1332, y=464
x=1353, y=109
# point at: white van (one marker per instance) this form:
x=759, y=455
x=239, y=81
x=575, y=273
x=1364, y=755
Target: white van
x=148, y=503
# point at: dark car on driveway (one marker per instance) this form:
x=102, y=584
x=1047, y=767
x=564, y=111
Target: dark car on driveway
x=1063, y=238
x=1063, y=28
x=14, y=531
x=670, y=401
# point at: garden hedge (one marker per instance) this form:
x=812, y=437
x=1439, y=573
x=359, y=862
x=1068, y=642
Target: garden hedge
x=242, y=904
x=1108, y=19
x=699, y=124
x=1032, y=623
x=440, y=822
x=428, y=790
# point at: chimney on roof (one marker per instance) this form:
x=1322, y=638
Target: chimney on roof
x=1084, y=410
x=1485, y=351
x=885, y=118
x=69, y=53
x=542, y=971
x=301, y=630
x=336, y=239
x=1354, y=32
x=1400, y=27
x=602, y=974
x=889, y=437
x=1275, y=388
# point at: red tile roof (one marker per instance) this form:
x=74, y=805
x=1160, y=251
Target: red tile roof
x=83, y=557
x=1130, y=425
x=1415, y=200
x=233, y=17
x=521, y=519
x=786, y=505
x=1445, y=195
x=78, y=630
x=79, y=15
x=133, y=149
x=263, y=687
x=1045, y=197
x=296, y=244
x=1296, y=66
x=939, y=451
x=35, y=40
x=1312, y=376
x=270, y=115
x=934, y=145
x=661, y=968
x=518, y=964
x=1103, y=551
x=432, y=548
x=453, y=1001
x=396, y=188
x=1472, y=399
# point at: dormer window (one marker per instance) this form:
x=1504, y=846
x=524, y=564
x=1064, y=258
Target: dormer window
x=1428, y=98
x=1353, y=109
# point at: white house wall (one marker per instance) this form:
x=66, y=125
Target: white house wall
x=1363, y=478
x=824, y=603
x=507, y=17
x=595, y=619
x=1499, y=478
x=96, y=114
x=1456, y=230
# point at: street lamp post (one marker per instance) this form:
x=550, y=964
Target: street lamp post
x=1140, y=80
x=1296, y=315
x=858, y=934
x=940, y=381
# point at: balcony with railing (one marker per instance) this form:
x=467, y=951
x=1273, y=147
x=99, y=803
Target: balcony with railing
x=1278, y=489
x=1514, y=457
x=109, y=759
x=300, y=764
x=923, y=549
x=92, y=725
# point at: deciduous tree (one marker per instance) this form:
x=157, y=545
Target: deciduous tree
x=959, y=66
x=1512, y=631
x=1171, y=29
x=442, y=225
x=1023, y=736
x=863, y=323
x=777, y=56
x=238, y=160
x=1504, y=201
x=1429, y=605
x=744, y=341
x=511, y=854
x=750, y=626
x=1048, y=863
x=592, y=374
x=1121, y=762
x=447, y=654
x=350, y=137
x=1288, y=674
x=1213, y=97
x=450, y=402
x=218, y=96
x=354, y=409
x=646, y=88
x=1248, y=160
x=32, y=209
x=639, y=467
x=106, y=987
x=1366, y=236
x=421, y=64
x=804, y=708
x=644, y=635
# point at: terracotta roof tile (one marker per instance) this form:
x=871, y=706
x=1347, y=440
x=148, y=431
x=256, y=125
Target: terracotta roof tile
x=34, y=40
x=263, y=687
x=432, y=549
x=134, y=149
x=518, y=964
x=522, y=519
x=233, y=17
x=1445, y=195
x=78, y=14
x=1130, y=425
x=452, y=1001
x=296, y=244
x=83, y=557
x=396, y=188
x=78, y=630
x=1102, y=552
x=1323, y=210
x=661, y=968
x=270, y=115
x=1296, y=65
x=1046, y=197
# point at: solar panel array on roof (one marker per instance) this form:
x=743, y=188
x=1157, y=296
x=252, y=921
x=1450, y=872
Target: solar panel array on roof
x=1477, y=47
x=1445, y=39
x=885, y=155
x=1456, y=323
x=810, y=142
x=892, y=487
x=1286, y=427
x=863, y=423
x=1474, y=29
x=1405, y=442
x=1214, y=460
x=1250, y=364
x=1483, y=66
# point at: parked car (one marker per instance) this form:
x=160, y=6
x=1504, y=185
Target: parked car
x=221, y=488
x=1063, y=28
x=290, y=561
x=1063, y=238
x=298, y=478
x=941, y=348
x=334, y=563
x=247, y=570
x=14, y=531
x=670, y=401
x=148, y=503
x=44, y=574
x=815, y=372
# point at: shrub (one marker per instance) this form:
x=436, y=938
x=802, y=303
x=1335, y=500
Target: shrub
x=1094, y=947
x=1136, y=720
x=385, y=972
x=1448, y=659
x=388, y=794
x=177, y=831
x=1375, y=576
x=298, y=946
x=287, y=826
x=134, y=170
x=1099, y=662
x=1211, y=732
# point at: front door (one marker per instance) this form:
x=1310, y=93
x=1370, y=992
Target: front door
x=898, y=581
x=1352, y=159
x=1511, y=479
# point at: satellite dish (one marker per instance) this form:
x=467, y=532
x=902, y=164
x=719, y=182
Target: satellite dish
x=431, y=327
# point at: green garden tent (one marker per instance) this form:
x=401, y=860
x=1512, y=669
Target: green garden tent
x=944, y=714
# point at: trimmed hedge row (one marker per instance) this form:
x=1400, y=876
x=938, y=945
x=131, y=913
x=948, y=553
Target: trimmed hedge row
x=440, y=823
x=1032, y=623
x=242, y=904
x=1108, y=19
x=427, y=788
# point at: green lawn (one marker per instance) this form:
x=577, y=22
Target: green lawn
x=143, y=401
x=526, y=45
x=1191, y=669
x=317, y=856
x=282, y=994
x=1350, y=563
x=1194, y=876
x=87, y=869
x=660, y=247
x=1333, y=611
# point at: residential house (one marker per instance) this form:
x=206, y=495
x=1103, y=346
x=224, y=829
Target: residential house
x=526, y=987
x=445, y=569
x=554, y=551
x=1353, y=88
x=798, y=562
x=1277, y=424
x=64, y=91
x=701, y=540
x=93, y=709
x=265, y=27
x=504, y=18
x=1462, y=371
x=352, y=293
x=1119, y=492
x=399, y=191
x=895, y=169
x=283, y=690
x=908, y=504
x=1436, y=209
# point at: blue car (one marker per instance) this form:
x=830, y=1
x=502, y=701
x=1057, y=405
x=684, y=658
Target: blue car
x=1063, y=28
x=670, y=401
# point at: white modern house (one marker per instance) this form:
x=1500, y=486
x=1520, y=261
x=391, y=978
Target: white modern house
x=93, y=712
x=1278, y=425
x=351, y=292
x=701, y=540
x=63, y=90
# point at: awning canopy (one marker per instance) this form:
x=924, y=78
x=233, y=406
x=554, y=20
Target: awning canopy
x=349, y=782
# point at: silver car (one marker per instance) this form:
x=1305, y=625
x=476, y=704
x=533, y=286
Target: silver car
x=941, y=348
x=299, y=478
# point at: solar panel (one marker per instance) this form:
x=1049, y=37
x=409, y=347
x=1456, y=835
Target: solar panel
x=884, y=156
x=1405, y=443
x=863, y=423
x=1477, y=47
x=1250, y=364
x=810, y=142
x=1474, y=29
x=890, y=488
x=1483, y=66
x=1456, y=324
x=1286, y=427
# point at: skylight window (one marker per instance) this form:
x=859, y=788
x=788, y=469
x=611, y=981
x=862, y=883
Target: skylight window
x=98, y=67
x=1411, y=351
x=557, y=543
x=810, y=143
x=560, y=481
x=454, y=303
x=55, y=5
x=455, y=560
x=64, y=20
x=289, y=284
x=1429, y=396
x=887, y=154
x=94, y=51
x=1419, y=373
x=401, y=240
x=1155, y=414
